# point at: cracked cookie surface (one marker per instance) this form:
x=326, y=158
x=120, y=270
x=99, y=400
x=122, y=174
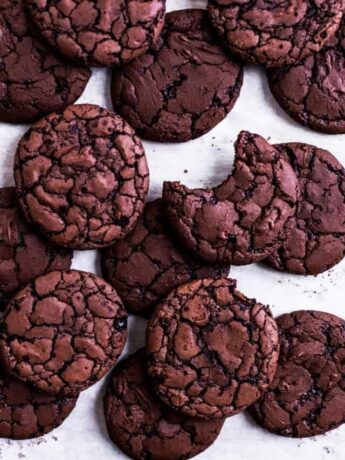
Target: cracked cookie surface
x=142, y=426
x=211, y=351
x=183, y=87
x=312, y=91
x=99, y=33
x=146, y=265
x=315, y=237
x=243, y=220
x=63, y=332
x=33, y=81
x=23, y=254
x=82, y=177
x=275, y=33
x=307, y=395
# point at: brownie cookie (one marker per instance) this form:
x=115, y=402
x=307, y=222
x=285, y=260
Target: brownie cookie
x=307, y=396
x=183, y=87
x=33, y=81
x=82, y=177
x=146, y=265
x=275, y=33
x=23, y=255
x=211, y=351
x=243, y=220
x=315, y=239
x=63, y=332
x=312, y=91
x=142, y=426
x=100, y=33
x=27, y=413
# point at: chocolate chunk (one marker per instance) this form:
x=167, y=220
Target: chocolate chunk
x=307, y=396
x=33, y=81
x=243, y=220
x=211, y=351
x=146, y=265
x=312, y=91
x=82, y=177
x=142, y=426
x=315, y=239
x=100, y=33
x=275, y=33
x=59, y=333
x=23, y=254
x=183, y=87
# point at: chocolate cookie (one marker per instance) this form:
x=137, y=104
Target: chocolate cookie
x=100, y=33
x=23, y=255
x=82, y=177
x=243, y=220
x=148, y=264
x=315, y=239
x=27, y=413
x=307, y=396
x=312, y=91
x=63, y=332
x=275, y=33
x=142, y=426
x=183, y=87
x=211, y=351
x=33, y=81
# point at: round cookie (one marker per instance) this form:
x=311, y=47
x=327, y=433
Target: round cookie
x=141, y=426
x=315, y=238
x=148, y=264
x=82, y=177
x=23, y=255
x=312, y=91
x=63, y=332
x=33, y=81
x=211, y=351
x=244, y=219
x=275, y=33
x=99, y=33
x=307, y=396
x=183, y=87
x=27, y=413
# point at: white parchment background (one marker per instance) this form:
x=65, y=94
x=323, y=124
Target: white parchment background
x=205, y=161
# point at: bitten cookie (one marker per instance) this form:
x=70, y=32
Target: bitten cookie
x=307, y=396
x=211, y=351
x=183, y=87
x=63, y=332
x=146, y=265
x=142, y=426
x=100, y=33
x=315, y=238
x=275, y=33
x=33, y=81
x=82, y=177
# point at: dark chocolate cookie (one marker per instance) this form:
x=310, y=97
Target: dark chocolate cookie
x=33, y=81
x=27, y=413
x=63, y=332
x=101, y=33
x=315, y=238
x=183, y=87
x=243, y=220
x=275, y=33
x=312, y=91
x=142, y=426
x=82, y=177
x=148, y=264
x=23, y=255
x=307, y=396
x=211, y=351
